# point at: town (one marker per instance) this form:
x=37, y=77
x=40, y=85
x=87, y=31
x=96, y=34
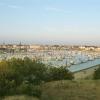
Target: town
x=56, y=55
x=49, y=49
x=75, y=58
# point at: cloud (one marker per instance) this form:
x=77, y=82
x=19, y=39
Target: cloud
x=14, y=6
x=54, y=9
x=10, y=6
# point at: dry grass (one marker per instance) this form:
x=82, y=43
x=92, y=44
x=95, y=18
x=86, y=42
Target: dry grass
x=71, y=90
x=66, y=90
x=20, y=98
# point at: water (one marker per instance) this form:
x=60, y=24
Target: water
x=57, y=58
x=89, y=64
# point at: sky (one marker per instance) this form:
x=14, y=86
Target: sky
x=50, y=21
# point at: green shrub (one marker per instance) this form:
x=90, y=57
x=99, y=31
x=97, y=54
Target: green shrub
x=19, y=76
x=97, y=73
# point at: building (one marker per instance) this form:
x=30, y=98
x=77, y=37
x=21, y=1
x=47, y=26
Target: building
x=85, y=70
x=98, y=49
x=35, y=47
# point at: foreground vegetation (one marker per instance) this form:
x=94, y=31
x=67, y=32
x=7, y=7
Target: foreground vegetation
x=71, y=90
x=22, y=97
x=97, y=74
x=66, y=90
x=24, y=77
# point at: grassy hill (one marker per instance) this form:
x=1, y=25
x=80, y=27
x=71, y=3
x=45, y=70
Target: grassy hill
x=22, y=97
x=66, y=90
x=71, y=90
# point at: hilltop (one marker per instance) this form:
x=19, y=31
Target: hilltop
x=71, y=90
x=67, y=90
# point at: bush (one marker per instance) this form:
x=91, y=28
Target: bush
x=97, y=73
x=29, y=89
x=19, y=76
x=60, y=74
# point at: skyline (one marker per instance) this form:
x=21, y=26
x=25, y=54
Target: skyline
x=50, y=21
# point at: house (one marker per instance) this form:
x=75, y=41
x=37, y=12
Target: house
x=98, y=49
x=85, y=70
x=35, y=47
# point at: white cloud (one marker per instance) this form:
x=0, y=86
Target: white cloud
x=54, y=9
x=14, y=6
x=10, y=6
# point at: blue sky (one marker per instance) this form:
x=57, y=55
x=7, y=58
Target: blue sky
x=50, y=21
